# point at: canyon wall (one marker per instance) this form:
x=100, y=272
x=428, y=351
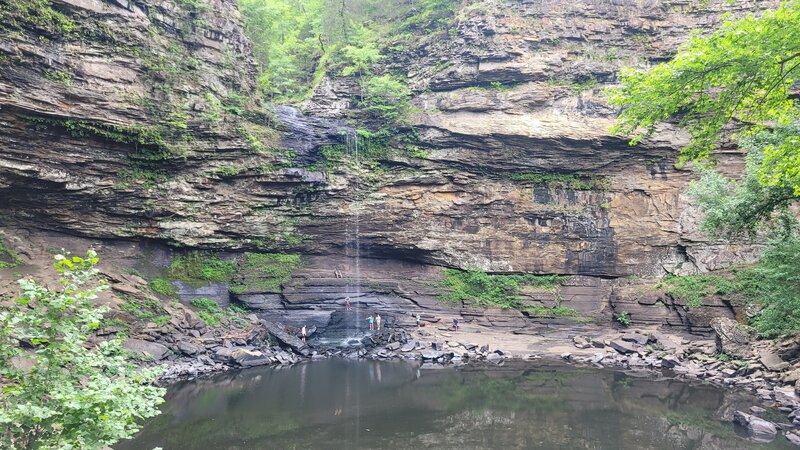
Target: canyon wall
x=136, y=123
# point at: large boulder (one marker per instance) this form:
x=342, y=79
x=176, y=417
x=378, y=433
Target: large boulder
x=786, y=396
x=249, y=358
x=623, y=346
x=772, y=361
x=732, y=337
x=190, y=349
x=640, y=339
x=285, y=338
x=152, y=350
x=758, y=429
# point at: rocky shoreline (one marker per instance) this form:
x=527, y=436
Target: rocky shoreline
x=770, y=372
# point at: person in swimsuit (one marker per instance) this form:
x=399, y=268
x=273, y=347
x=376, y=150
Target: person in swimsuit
x=371, y=321
x=378, y=321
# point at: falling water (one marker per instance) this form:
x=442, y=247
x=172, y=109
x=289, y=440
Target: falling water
x=353, y=242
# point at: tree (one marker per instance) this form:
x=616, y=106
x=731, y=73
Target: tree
x=736, y=81
x=59, y=389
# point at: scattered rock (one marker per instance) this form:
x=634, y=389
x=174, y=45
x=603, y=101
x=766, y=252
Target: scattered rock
x=635, y=337
x=581, y=342
x=793, y=437
x=772, y=361
x=153, y=350
x=670, y=361
x=189, y=349
x=731, y=337
x=623, y=346
x=285, y=338
x=786, y=395
x=758, y=429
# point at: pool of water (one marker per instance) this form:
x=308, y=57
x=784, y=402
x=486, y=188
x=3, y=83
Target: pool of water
x=395, y=405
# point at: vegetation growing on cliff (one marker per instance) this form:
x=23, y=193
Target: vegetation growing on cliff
x=8, y=258
x=739, y=78
x=772, y=287
x=297, y=42
x=501, y=291
x=201, y=266
x=265, y=272
x=736, y=82
x=61, y=392
x=562, y=180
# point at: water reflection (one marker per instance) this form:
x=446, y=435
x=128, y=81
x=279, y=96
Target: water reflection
x=371, y=404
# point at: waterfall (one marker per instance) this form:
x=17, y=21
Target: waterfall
x=353, y=238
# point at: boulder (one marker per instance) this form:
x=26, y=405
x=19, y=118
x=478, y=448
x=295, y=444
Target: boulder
x=758, y=429
x=670, y=361
x=786, y=395
x=731, y=337
x=431, y=355
x=189, y=349
x=772, y=361
x=622, y=346
x=408, y=346
x=635, y=337
x=224, y=354
x=285, y=338
x=249, y=358
x=153, y=350
x=793, y=437
x=393, y=346
x=581, y=342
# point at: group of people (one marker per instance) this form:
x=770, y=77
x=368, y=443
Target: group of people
x=374, y=322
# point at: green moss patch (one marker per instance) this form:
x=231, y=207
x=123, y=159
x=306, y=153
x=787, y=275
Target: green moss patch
x=265, y=272
x=563, y=180
x=8, y=258
x=201, y=266
x=503, y=291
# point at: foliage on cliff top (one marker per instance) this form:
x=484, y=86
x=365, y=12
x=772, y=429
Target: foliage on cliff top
x=739, y=78
x=297, y=42
x=63, y=393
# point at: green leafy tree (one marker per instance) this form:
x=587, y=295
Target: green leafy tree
x=60, y=390
x=737, y=80
x=386, y=97
x=736, y=207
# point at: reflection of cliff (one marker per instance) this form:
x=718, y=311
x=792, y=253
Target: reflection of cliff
x=334, y=403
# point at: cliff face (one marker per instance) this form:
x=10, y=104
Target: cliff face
x=138, y=120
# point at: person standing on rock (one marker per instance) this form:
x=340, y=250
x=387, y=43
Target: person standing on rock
x=347, y=306
x=378, y=321
x=455, y=324
x=371, y=321
x=303, y=333
x=418, y=321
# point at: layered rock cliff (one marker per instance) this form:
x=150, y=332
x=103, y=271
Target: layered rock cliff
x=138, y=121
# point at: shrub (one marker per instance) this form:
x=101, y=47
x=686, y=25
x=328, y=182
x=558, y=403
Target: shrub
x=208, y=310
x=72, y=395
x=163, y=287
x=624, y=319
x=385, y=97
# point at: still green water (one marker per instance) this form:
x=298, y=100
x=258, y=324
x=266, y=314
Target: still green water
x=336, y=404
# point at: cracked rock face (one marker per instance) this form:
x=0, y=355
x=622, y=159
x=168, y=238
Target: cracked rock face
x=142, y=124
